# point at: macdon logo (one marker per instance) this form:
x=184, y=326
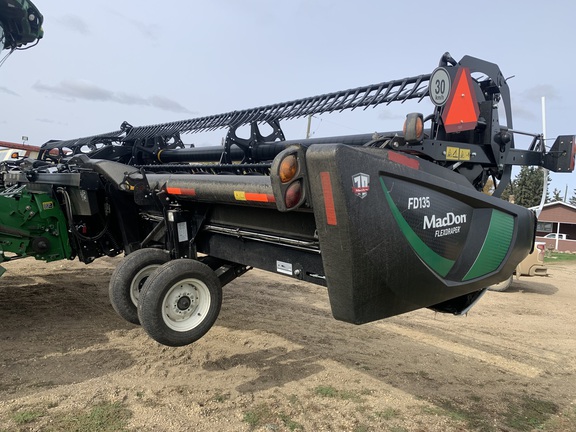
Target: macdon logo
x=446, y=221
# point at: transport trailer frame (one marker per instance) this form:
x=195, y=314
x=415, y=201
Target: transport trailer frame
x=388, y=222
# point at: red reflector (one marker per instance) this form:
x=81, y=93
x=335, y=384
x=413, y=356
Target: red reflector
x=180, y=191
x=259, y=197
x=293, y=194
x=404, y=160
x=461, y=111
x=328, y=198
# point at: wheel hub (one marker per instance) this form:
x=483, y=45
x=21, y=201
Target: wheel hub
x=186, y=304
x=183, y=303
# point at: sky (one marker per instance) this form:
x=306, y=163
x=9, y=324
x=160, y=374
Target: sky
x=104, y=62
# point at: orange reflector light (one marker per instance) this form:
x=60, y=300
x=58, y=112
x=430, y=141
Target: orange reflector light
x=461, y=110
x=328, y=198
x=180, y=191
x=293, y=194
x=288, y=168
x=413, y=128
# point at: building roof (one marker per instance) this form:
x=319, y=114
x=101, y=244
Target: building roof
x=557, y=211
x=17, y=146
x=555, y=203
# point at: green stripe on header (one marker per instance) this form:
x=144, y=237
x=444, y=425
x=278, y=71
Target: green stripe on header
x=495, y=247
x=435, y=261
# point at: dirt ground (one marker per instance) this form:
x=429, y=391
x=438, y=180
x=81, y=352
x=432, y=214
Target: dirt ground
x=276, y=360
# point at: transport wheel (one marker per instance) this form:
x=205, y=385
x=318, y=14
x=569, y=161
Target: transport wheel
x=501, y=286
x=180, y=302
x=129, y=277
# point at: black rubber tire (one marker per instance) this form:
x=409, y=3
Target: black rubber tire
x=501, y=286
x=180, y=302
x=138, y=265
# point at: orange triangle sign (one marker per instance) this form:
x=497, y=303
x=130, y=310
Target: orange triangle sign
x=461, y=111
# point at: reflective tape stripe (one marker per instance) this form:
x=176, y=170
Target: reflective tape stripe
x=328, y=198
x=404, y=160
x=252, y=196
x=180, y=191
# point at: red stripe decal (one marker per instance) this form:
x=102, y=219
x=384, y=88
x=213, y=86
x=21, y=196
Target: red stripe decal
x=328, y=198
x=180, y=191
x=404, y=160
x=259, y=197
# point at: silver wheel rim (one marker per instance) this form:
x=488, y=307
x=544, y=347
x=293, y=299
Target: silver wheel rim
x=186, y=305
x=138, y=282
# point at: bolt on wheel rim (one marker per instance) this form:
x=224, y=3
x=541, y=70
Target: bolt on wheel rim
x=186, y=305
x=138, y=282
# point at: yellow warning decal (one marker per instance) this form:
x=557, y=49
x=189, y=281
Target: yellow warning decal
x=48, y=205
x=240, y=195
x=457, y=153
x=464, y=154
x=452, y=153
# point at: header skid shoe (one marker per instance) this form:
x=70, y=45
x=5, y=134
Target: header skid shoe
x=398, y=233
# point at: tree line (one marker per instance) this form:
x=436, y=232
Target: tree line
x=527, y=188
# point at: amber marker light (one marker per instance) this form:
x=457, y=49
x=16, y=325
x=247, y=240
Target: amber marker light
x=288, y=168
x=413, y=128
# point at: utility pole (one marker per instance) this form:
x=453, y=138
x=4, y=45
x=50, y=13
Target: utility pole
x=308, y=128
x=544, y=170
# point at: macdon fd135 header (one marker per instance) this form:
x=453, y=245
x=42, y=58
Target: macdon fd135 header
x=389, y=222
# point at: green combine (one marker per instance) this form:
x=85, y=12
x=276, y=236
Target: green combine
x=28, y=221
x=20, y=25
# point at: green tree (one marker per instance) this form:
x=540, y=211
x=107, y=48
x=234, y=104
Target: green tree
x=508, y=190
x=556, y=195
x=527, y=186
x=573, y=198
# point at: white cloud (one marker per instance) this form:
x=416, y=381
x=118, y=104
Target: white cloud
x=148, y=30
x=387, y=114
x=535, y=93
x=82, y=89
x=520, y=112
x=74, y=23
x=166, y=104
x=8, y=91
x=49, y=121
